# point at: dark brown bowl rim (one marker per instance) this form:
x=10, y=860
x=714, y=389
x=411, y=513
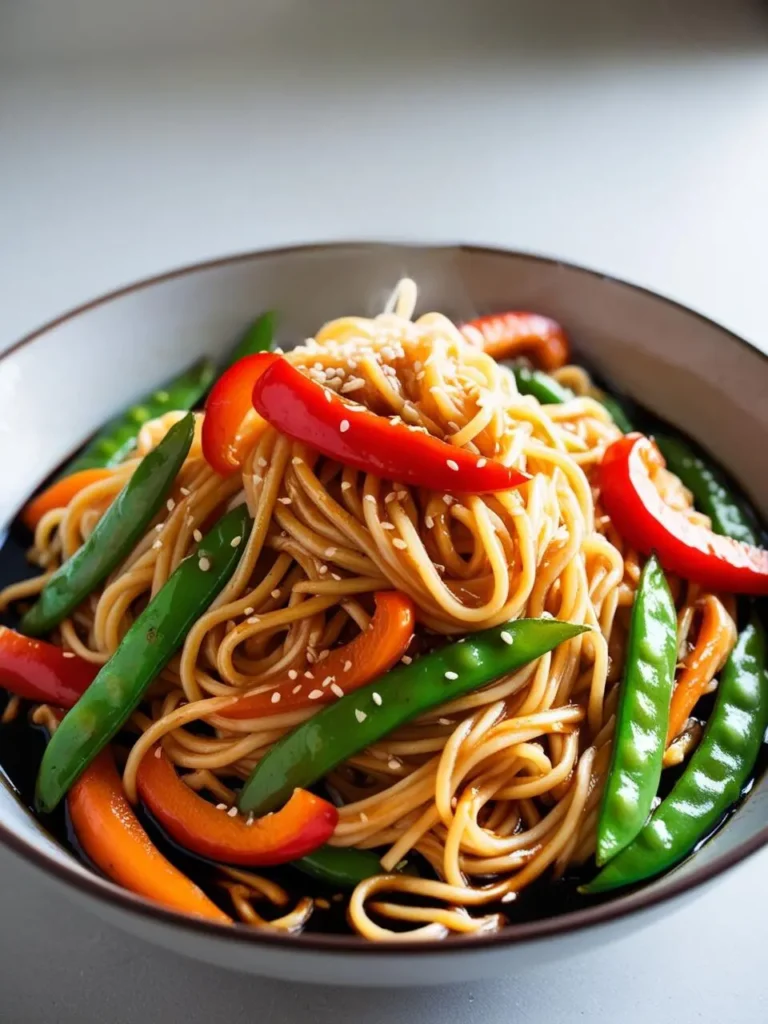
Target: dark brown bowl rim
x=93, y=885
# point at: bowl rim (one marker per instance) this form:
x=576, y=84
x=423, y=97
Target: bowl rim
x=95, y=887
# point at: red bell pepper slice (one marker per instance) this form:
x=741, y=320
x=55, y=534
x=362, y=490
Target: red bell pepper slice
x=110, y=833
x=644, y=520
x=371, y=654
x=305, y=822
x=307, y=412
x=42, y=672
x=225, y=410
x=507, y=335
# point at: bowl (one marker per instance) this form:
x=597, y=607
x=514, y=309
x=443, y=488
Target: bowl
x=64, y=380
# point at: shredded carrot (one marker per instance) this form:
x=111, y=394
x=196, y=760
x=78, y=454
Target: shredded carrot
x=717, y=635
x=111, y=835
x=60, y=493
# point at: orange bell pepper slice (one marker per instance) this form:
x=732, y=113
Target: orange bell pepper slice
x=60, y=493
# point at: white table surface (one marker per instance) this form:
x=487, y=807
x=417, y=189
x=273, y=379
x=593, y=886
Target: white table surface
x=630, y=137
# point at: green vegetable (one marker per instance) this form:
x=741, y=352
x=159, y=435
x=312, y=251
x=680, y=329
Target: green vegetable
x=258, y=338
x=617, y=411
x=547, y=390
x=642, y=719
x=145, y=650
x=543, y=387
x=712, y=495
x=714, y=777
x=339, y=866
x=117, y=439
x=116, y=533
x=355, y=721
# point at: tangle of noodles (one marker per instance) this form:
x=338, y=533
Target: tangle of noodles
x=496, y=788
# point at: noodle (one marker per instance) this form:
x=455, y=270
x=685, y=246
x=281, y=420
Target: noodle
x=492, y=789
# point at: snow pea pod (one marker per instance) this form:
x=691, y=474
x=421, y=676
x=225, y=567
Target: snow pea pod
x=117, y=439
x=144, y=651
x=357, y=720
x=259, y=337
x=341, y=866
x=715, y=776
x=712, y=494
x=549, y=392
x=116, y=533
x=642, y=718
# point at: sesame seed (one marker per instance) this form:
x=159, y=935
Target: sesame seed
x=398, y=542
x=508, y=897
x=344, y=426
x=170, y=504
x=232, y=812
x=507, y=637
x=448, y=499
x=360, y=715
x=323, y=655
x=276, y=697
x=292, y=673
x=159, y=527
x=406, y=659
x=323, y=570
x=481, y=463
x=249, y=820
x=388, y=526
x=336, y=576
x=284, y=501
x=315, y=694
x=157, y=545
x=370, y=497
x=352, y=385
x=327, y=395
x=394, y=763
x=275, y=593
x=337, y=690
x=429, y=522
x=311, y=657
x=262, y=462
x=296, y=688
x=328, y=680
x=309, y=675
x=185, y=491
x=330, y=552
x=248, y=611
x=363, y=817
x=444, y=721
x=221, y=807
x=236, y=542
x=204, y=564
x=158, y=752
x=257, y=479
x=297, y=461
x=197, y=536
x=69, y=654
x=347, y=666
x=376, y=698
x=345, y=485
x=451, y=464
x=252, y=620
x=451, y=675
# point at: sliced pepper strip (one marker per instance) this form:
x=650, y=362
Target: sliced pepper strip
x=111, y=835
x=646, y=522
x=371, y=654
x=36, y=670
x=60, y=493
x=303, y=825
x=307, y=412
x=228, y=404
x=506, y=335
x=713, y=645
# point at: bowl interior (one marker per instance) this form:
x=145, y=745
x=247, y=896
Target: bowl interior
x=62, y=382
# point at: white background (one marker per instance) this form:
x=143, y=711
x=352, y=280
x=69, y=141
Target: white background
x=629, y=136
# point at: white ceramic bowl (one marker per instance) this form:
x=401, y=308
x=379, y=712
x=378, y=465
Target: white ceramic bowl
x=63, y=381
